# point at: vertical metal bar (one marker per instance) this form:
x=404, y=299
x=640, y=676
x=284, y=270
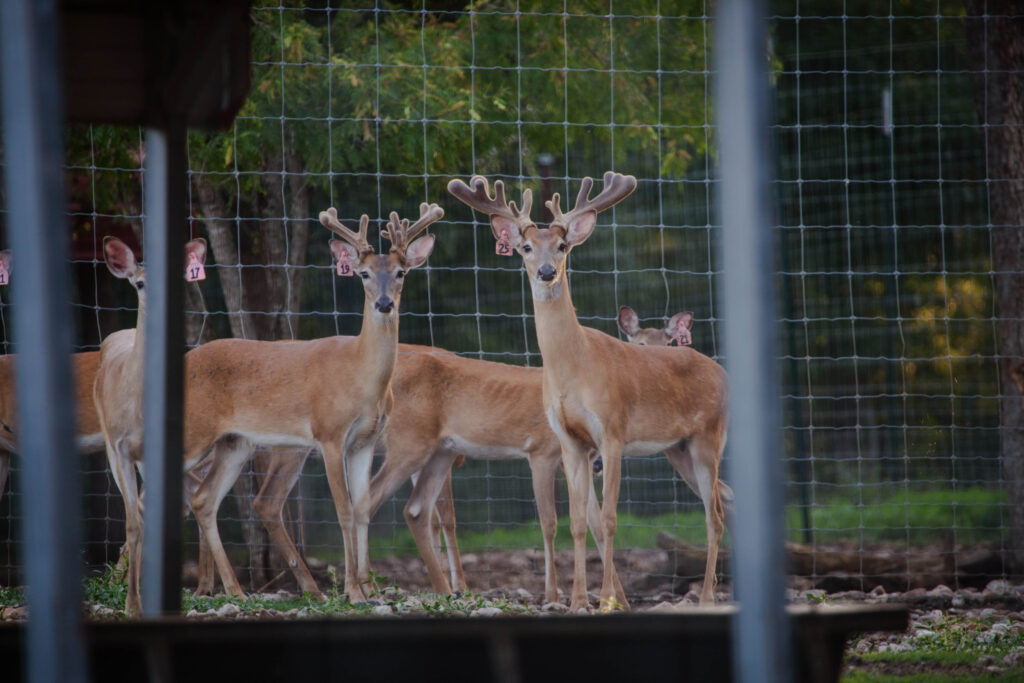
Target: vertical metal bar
x=761, y=643
x=34, y=154
x=163, y=398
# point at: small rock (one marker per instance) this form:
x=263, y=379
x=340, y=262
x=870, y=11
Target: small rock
x=1001, y=628
x=850, y=595
x=664, y=607
x=987, y=660
x=931, y=617
x=524, y=595
x=692, y=598
x=863, y=646
x=877, y=592
x=554, y=607
x=382, y=611
x=814, y=595
x=941, y=590
x=999, y=587
x=228, y=610
x=16, y=613
x=923, y=633
x=987, y=613
x=486, y=612
x=1014, y=659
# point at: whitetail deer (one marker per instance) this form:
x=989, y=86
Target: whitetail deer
x=333, y=394
x=458, y=421
x=118, y=400
x=88, y=437
x=677, y=330
x=604, y=394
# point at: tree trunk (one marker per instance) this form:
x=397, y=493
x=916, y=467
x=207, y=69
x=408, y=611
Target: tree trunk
x=996, y=45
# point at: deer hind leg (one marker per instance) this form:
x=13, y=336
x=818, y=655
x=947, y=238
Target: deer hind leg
x=419, y=514
x=229, y=456
x=123, y=470
x=612, y=595
x=698, y=466
x=282, y=472
x=445, y=523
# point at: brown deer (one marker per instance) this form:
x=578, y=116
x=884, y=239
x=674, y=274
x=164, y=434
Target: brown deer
x=117, y=393
x=603, y=394
x=333, y=394
x=677, y=330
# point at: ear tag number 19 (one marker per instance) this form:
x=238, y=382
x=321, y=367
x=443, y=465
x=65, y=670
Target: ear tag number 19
x=344, y=265
x=504, y=245
x=194, y=271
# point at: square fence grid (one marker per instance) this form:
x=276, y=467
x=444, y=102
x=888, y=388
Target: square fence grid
x=887, y=313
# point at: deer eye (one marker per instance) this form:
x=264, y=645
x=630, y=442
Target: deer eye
x=363, y=274
x=563, y=247
x=400, y=274
x=140, y=285
x=527, y=248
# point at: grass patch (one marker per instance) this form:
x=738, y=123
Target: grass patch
x=922, y=517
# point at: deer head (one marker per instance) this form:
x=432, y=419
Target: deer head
x=677, y=330
x=382, y=274
x=543, y=251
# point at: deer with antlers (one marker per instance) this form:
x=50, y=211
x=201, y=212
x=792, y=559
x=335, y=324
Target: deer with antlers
x=603, y=394
x=333, y=394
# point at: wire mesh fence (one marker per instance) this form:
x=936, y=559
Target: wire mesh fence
x=888, y=309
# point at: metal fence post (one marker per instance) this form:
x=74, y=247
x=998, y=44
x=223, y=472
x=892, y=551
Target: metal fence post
x=163, y=396
x=761, y=629
x=34, y=156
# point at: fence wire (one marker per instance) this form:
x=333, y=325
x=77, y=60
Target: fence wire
x=888, y=315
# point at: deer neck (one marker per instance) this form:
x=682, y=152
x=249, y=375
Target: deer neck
x=377, y=350
x=136, y=358
x=559, y=334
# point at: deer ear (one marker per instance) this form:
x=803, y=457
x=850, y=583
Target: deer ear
x=500, y=224
x=629, y=323
x=678, y=328
x=119, y=257
x=579, y=228
x=195, y=249
x=5, y=259
x=416, y=254
x=339, y=247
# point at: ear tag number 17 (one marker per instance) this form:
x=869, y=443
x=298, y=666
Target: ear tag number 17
x=504, y=245
x=344, y=265
x=194, y=271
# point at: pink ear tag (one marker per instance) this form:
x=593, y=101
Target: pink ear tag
x=194, y=271
x=344, y=266
x=683, y=337
x=504, y=245
x=5, y=277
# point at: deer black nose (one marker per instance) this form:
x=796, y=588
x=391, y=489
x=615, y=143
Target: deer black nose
x=384, y=305
x=546, y=272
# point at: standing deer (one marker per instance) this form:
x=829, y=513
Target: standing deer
x=449, y=406
x=333, y=394
x=603, y=394
x=88, y=437
x=118, y=400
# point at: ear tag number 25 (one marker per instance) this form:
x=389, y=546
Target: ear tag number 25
x=194, y=271
x=504, y=244
x=344, y=265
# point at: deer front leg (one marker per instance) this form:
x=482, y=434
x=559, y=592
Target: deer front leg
x=596, y=530
x=578, y=478
x=283, y=471
x=542, y=471
x=612, y=595
x=335, y=468
x=357, y=469
x=124, y=476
